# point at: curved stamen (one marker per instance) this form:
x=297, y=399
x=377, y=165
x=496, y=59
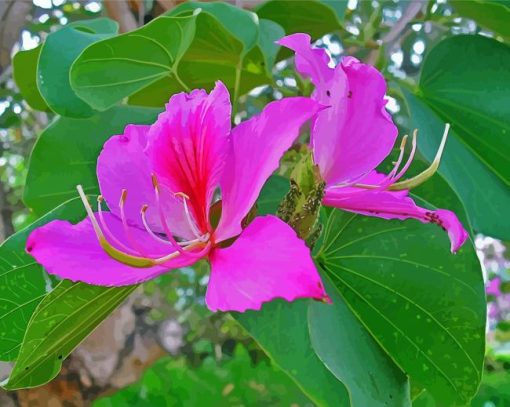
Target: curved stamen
x=105, y=227
x=113, y=252
x=127, y=229
x=191, y=222
x=426, y=174
x=410, y=159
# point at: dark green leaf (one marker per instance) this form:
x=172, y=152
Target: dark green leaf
x=58, y=53
x=272, y=194
x=61, y=321
x=353, y=356
x=281, y=329
x=66, y=152
x=422, y=304
x=24, y=66
x=112, y=69
x=23, y=282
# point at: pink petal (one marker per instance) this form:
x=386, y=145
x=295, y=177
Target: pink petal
x=395, y=205
x=188, y=144
x=123, y=164
x=256, y=149
x=356, y=134
x=311, y=62
x=73, y=252
x=267, y=261
x=494, y=287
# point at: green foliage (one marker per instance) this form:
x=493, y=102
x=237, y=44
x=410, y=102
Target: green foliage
x=473, y=101
x=25, y=74
x=23, y=282
x=281, y=329
x=423, y=305
x=493, y=15
x=60, y=322
x=58, y=54
x=232, y=382
x=368, y=373
x=115, y=68
x=66, y=152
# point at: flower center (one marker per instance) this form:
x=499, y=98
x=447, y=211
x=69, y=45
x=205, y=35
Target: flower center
x=132, y=253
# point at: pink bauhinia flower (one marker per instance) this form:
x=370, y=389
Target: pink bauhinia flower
x=160, y=183
x=355, y=134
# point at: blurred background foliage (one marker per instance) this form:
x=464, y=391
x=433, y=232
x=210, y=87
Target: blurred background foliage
x=163, y=347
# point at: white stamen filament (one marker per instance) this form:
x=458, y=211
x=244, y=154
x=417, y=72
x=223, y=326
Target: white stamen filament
x=410, y=158
x=127, y=230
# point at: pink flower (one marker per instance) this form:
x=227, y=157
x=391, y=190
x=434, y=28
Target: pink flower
x=494, y=287
x=160, y=182
x=355, y=134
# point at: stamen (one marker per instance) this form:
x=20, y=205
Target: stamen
x=127, y=229
x=105, y=227
x=191, y=222
x=202, y=239
x=113, y=252
x=429, y=172
x=410, y=159
x=167, y=230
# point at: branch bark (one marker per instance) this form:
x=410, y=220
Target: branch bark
x=119, y=11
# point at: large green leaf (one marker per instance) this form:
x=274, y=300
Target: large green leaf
x=112, y=69
x=422, y=304
x=281, y=329
x=65, y=155
x=24, y=66
x=353, y=356
x=57, y=55
x=484, y=195
x=493, y=15
x=23, y=282
x=61, y=321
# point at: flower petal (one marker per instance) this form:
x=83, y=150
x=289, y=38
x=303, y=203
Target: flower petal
x=188, y=144
x=395, y=205
x=123, y=164
x=73, y=252
x=356, y=133
x=256, y=148
x=267, y=261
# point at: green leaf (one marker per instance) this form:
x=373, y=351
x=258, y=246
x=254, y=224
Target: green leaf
x=353, y=356
x=473, y=98
x=422, y=304
x=281, y=329
x=493, y=15
x=272, y=194
x=112, y=69
x=484, y=195
x=66, y=152
x=58, y=53
x=23, y=282
x=61, y=321
x=24, y=66
x=313, y=17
